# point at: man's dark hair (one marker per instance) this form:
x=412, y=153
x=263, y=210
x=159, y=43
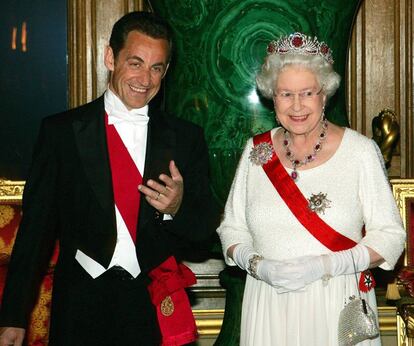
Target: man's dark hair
x=146, y=23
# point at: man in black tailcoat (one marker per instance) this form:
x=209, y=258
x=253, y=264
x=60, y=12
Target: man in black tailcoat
x=75, y=193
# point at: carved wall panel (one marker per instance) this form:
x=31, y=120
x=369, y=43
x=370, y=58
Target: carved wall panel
x=380, y=73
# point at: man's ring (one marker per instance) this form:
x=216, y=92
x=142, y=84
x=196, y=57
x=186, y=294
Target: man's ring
x=158, y=196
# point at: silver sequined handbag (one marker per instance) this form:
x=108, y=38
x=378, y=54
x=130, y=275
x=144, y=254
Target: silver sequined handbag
x=357, y=321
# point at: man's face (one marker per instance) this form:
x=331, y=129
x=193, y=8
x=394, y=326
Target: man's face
x=137, y=71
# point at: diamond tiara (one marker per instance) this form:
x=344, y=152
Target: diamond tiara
x=299, y=43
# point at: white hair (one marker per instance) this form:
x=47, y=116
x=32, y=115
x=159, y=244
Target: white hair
x=327, y=78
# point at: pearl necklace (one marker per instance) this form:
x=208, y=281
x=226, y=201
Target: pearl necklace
x=308, y=158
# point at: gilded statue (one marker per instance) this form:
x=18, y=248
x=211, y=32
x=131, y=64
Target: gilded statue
x=386, y=133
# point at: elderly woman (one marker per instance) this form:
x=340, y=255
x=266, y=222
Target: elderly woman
x=309, y=207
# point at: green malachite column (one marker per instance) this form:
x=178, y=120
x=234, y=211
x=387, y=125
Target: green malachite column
x=219, y=47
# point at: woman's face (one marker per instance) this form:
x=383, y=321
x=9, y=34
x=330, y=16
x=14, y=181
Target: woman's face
x=298, y=100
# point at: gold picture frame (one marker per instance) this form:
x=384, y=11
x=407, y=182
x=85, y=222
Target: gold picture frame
x=403, y=190
x=11, y=192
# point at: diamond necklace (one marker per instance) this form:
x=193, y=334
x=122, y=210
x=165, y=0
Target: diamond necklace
x=308, y=158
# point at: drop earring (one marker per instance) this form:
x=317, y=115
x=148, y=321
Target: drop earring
x=323, y=117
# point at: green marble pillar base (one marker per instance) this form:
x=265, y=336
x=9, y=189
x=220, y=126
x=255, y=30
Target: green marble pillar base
x=233, y=280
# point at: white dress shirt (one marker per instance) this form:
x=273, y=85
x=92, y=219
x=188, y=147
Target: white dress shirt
x=132, y=127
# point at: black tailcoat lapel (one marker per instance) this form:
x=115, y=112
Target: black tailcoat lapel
x=90, y=137
x=91, y=141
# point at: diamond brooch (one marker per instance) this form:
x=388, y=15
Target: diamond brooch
x=318, y=203
x=261, y=154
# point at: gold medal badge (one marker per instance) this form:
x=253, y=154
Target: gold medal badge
x=167, y=306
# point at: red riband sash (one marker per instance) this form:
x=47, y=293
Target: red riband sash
x=299, y=206
x=125, y=179
x=175, y=317
x=174, y=313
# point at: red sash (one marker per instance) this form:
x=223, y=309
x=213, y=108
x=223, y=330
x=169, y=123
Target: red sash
x=299, y=206
x=125, y=179
x=175, y=317
x=167, y=293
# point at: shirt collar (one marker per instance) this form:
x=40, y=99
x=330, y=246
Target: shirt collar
x=115, y=107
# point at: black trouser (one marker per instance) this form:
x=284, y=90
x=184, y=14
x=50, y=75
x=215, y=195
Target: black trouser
x=109, y=310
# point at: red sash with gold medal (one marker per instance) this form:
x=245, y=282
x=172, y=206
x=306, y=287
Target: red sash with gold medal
x=168, y=295
x=264, y=155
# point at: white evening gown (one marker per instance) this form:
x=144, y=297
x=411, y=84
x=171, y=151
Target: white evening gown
x=354, y=181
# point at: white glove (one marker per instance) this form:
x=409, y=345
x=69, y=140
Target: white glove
x=269, y=271
x=305, y=270
x=264, y=268
x=278, y=275
x=242, y=254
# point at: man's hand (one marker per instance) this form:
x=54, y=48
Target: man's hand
x=165, y=198
x=11, y=336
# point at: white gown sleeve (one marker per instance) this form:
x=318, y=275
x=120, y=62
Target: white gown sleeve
x=383, y=225
x=234, y=229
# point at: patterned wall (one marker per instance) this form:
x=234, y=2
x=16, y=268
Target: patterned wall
x=220, y=45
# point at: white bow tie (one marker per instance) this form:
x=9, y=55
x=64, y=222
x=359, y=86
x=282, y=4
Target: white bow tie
x=117, y=117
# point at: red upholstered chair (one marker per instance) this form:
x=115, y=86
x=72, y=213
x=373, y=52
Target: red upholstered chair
x=10, y=216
